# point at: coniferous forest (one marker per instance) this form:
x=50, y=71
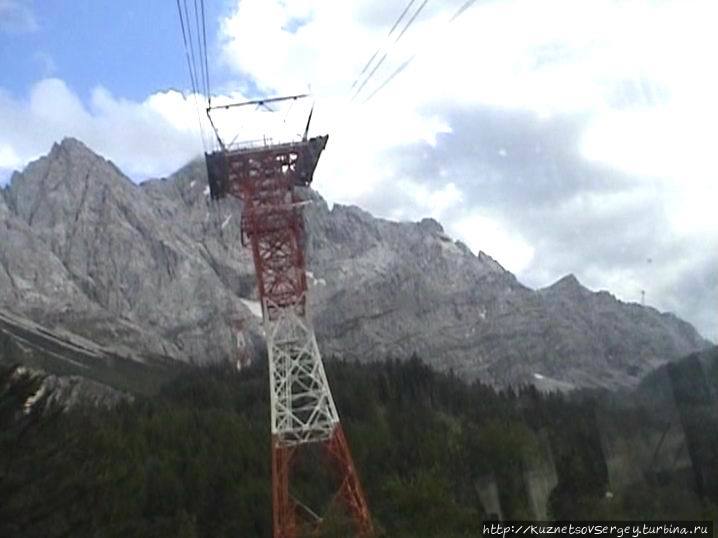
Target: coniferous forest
x=436, y=456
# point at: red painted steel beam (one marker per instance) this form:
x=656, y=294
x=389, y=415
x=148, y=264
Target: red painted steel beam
x=273, y=226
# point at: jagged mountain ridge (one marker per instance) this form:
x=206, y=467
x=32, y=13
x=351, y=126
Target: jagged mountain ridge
x=158, y=268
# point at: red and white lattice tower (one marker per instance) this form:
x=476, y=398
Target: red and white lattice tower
x=302, y=408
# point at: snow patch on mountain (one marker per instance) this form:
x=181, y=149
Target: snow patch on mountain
x=254, y=307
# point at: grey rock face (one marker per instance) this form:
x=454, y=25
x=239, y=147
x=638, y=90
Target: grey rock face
x=30, y=274
x=166, y=262
x=63, y=392
x=399, y=288
x=623, y=341
x=4, y=210
x=123, y=255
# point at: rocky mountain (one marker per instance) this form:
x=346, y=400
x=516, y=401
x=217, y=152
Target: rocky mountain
x=157, y=270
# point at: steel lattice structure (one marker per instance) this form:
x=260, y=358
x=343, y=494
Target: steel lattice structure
x=302, y=407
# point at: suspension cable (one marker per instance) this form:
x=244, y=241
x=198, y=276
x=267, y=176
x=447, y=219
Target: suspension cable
x=378, y=50
x=389, y=79
x=409, y=23
x=206, y=62
x=191, y=44
x=404, y=65
x=371, y=74
x=191, y=72
x=200, y=50
x=461, y=10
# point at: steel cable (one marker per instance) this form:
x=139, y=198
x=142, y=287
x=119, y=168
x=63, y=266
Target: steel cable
x=404, y=65
x=189, y=67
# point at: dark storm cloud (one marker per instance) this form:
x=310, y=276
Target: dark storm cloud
x=581, y=217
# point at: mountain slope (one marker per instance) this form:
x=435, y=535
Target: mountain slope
x=159, y=268
x=76, y=363
x=129, y=262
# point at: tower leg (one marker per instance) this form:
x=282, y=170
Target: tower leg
x=283, y=520
x=350, y=489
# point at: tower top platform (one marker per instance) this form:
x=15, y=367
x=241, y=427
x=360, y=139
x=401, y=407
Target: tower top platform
x=295, y=161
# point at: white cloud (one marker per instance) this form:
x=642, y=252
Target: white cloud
x=647, y=102
x=149, y=138
x=8, y=157
x=512, y=54
x=500, y=241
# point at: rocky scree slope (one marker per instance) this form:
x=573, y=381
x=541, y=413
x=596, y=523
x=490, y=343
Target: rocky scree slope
x=158, y=269
x=57, y=393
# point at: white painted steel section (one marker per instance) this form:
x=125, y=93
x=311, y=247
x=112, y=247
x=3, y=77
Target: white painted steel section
x=302, y=407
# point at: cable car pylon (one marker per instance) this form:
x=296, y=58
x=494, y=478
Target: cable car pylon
x=303, y=412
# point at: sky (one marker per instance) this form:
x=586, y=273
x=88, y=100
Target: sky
x=557, y=136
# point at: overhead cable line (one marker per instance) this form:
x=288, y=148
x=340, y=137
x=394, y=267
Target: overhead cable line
x=371, y=74
x=189, y=67
x=390, y=78
x=186, y=49
x=206, y=62
x=404, y=65
x=191, y=44
x=365, y=67
x=403, y=13
x=200, y=50
x=461, y=10
x=409, y=23
x=378, y=50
